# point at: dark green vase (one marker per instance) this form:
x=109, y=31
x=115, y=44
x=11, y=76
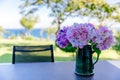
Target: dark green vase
x=84, y=63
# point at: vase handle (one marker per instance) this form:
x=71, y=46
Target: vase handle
x=96, y=59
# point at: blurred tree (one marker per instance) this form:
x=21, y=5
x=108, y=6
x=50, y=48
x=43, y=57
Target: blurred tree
x=117, y=42
x=50, y=31
x=2, y=31
x=61, y=9
x=29, y=22
x=95, y=9
x=116, y=16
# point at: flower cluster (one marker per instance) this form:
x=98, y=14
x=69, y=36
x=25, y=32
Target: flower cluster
x=80, y=35
x=104, y=38
x=62, y=40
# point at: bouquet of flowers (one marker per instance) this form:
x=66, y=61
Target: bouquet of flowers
x=79, y=35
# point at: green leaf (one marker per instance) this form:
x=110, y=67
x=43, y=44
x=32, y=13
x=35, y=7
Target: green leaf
x=68, y=48
x=97, y=50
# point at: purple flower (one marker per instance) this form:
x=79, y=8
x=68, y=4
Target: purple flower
x=62, y=40
x=104, y=38
x=80, y=35
x=107, y=42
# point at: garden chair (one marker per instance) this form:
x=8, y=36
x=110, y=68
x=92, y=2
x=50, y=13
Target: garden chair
x=42, y=53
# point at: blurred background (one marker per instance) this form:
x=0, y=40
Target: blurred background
x=36, y=22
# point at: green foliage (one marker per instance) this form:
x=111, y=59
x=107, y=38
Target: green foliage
x=2, y=31
x=51, y=30
x=62, y=9
x=94, y=47
x=7, y=44
x=117, y=44
x=97, y=50
x=117, y=17
x=95, y=9
x=68, y=48
x=13, y=37
x=28, y=37
x=117, y=48
x=29, y=22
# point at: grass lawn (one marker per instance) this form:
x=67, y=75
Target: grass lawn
x=7, y=44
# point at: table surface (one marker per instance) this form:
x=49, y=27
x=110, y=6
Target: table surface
x=104, y=70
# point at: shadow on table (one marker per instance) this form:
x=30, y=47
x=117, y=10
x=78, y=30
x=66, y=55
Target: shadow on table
x=84, y=77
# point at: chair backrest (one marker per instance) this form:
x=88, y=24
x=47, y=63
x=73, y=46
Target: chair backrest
x=42, y=53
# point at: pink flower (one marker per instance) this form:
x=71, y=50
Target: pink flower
x=80, y=35
x=107, y=42
x=104, y=38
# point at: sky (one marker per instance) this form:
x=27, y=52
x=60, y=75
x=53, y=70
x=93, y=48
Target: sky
x=9, y=13
x=10, y=16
